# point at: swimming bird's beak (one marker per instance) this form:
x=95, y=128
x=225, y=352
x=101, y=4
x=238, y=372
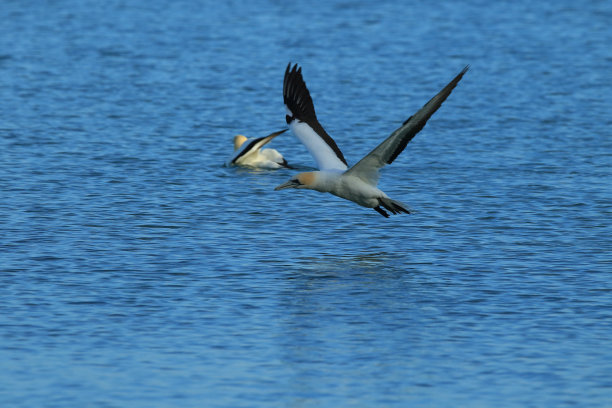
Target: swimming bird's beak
x=290, y=184
x=273, y=135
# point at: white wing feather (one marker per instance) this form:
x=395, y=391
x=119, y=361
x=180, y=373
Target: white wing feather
x=325, y=157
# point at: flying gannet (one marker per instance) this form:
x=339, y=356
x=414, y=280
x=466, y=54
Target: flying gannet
x=358, y=183
x=248, y=153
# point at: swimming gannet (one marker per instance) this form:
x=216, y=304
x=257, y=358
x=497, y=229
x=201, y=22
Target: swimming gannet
x=358, y=183
x=248, y=153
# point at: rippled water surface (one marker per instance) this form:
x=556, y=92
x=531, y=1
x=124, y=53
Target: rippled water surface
x=138, y=271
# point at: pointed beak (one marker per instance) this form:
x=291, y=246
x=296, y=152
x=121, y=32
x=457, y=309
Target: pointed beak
x=273, y=135
x=289, y=184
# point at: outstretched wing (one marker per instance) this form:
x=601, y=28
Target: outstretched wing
x=253, y=146
x=367, y=168
x=302, y=120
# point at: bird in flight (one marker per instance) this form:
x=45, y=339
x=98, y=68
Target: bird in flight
x=357, y=183
x=248, y=153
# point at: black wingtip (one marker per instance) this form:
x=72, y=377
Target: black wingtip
x=463, y=71
x=428, y=109
x=290, y=70
x=297, y=99
x=295, y=91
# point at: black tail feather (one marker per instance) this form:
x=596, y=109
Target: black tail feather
x=381, y=212
x=395, y=207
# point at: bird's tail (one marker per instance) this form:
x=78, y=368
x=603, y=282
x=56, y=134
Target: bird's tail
x=286, y=165
x=395, y=207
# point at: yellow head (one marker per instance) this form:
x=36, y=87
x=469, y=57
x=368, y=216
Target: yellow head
x=238, y=141
x=301, y=180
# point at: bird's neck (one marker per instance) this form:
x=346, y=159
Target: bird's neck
x=324, y=181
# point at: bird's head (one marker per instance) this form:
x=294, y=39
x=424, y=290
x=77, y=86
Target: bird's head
x=238, y=141
x=301, y=180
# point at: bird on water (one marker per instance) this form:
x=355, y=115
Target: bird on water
x=248, y=153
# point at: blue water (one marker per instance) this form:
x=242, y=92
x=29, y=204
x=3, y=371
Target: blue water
x=137, y=271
